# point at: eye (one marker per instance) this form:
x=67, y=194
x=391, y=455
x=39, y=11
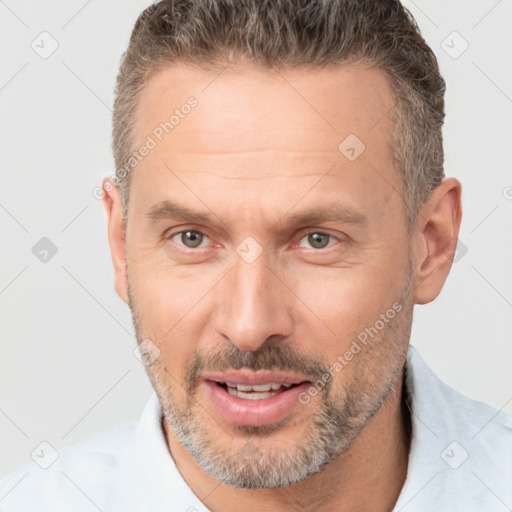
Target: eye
x=317, y=240
x=190, y=239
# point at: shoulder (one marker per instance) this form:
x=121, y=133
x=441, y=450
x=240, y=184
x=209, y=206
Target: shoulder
x=79, y=477
x=449, y=411
x=461, y=449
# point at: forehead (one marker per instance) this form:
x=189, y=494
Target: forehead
x=270, y=130
x=260, y=102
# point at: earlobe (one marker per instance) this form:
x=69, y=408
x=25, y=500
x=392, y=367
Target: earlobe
x=116, y=236
x=435, y=239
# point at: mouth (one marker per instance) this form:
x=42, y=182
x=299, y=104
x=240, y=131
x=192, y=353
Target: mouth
x=257, y=392
x=254, y=398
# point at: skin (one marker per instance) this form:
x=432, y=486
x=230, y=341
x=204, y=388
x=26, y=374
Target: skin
x=254, y=151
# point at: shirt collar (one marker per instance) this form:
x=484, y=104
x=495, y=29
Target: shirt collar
x=159, y=479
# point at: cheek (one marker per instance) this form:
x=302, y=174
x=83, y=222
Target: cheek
x=169, y=309
x=347, y=301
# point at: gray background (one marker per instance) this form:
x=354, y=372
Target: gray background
x=67, y=368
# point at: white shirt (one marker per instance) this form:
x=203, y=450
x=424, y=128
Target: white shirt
x=460, y=460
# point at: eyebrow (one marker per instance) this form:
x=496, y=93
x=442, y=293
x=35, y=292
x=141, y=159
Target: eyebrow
x=169, y=210
x=335, y=212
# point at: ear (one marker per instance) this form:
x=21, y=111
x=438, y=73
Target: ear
x=435, y=239
x=116, y=239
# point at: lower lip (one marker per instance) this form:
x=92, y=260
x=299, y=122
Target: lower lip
x=254, y=412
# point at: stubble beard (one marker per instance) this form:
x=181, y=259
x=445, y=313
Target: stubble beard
x=245, y=460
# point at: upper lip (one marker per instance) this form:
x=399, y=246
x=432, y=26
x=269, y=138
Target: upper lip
x=250, y=378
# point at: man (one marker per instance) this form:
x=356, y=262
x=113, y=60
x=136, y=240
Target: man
x=278, y=209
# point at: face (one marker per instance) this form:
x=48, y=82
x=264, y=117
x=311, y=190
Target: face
x=268, y=270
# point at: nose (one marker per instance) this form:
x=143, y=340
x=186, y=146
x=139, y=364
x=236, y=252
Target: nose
x=253, y=304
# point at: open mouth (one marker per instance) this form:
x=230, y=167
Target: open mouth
x=245, y=397
x=256, y=392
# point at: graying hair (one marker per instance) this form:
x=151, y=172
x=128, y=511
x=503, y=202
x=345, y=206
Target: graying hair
x=295, y=33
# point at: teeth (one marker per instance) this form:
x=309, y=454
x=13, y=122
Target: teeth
x=242, y=387
x=251, y=395
x=260, y=387
x=255, y=392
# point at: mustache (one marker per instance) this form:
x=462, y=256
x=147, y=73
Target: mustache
x=270, y=356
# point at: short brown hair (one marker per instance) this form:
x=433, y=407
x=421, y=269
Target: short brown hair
x=292, y=33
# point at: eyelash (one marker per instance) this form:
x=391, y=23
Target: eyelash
x=310, y=232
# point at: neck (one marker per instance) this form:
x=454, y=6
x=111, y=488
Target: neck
x=377, y=460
